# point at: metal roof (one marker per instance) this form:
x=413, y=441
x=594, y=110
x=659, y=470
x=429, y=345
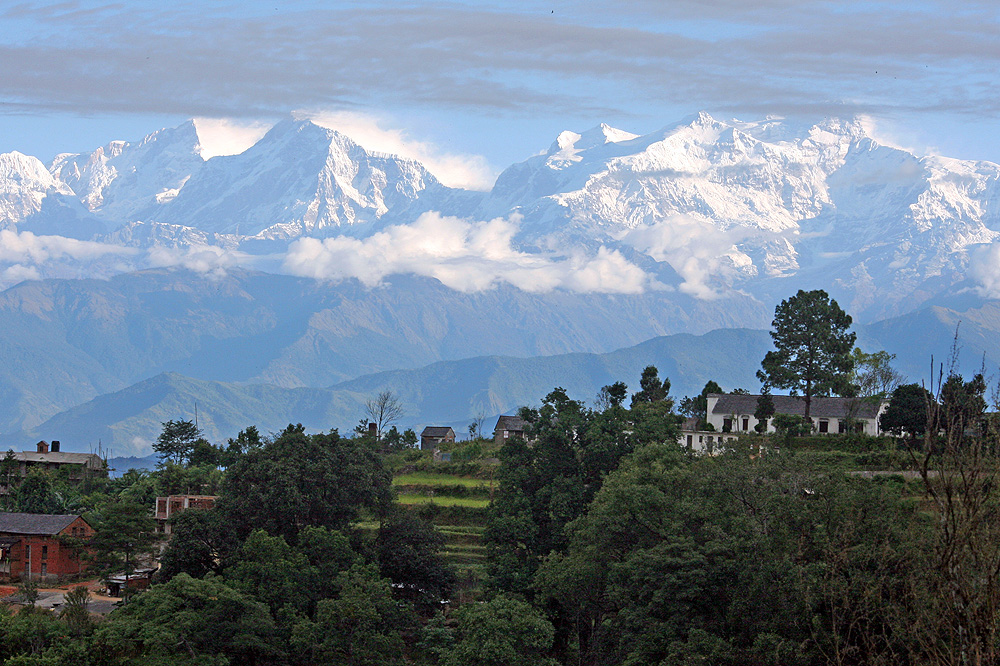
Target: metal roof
x=437, y=431
x=35, y=523
x=511, y=423
x=834, y=408
x=59, y=458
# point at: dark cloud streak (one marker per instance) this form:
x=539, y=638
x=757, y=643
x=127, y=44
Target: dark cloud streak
x=778, y=56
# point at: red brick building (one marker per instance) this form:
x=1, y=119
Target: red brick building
x=30, y=546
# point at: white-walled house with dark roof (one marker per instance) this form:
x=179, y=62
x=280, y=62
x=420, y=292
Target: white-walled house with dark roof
x=734, y=413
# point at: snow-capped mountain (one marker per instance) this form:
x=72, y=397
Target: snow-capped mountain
x=298, y=180
x=824, y=204
x=24, y=185
x=123, y=182
x=704, y=206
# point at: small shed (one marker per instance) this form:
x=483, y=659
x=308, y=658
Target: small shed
x=432, y=436
x=139, y=579
x=507, y=427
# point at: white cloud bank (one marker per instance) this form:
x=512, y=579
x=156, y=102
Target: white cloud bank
x=25, y=247
x=463, y=255
x=701, y=253
x=984, y=269
x=208, y=259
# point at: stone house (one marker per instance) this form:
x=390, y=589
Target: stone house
x=433, y=436
x=507, y=427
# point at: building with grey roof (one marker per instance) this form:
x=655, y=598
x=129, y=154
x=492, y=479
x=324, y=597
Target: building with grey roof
x=734, y=413
x=15, y=465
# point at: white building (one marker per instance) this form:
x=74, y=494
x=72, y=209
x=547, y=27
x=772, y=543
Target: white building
x=734, y=413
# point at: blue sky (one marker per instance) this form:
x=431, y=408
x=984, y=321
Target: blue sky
x=477, y=86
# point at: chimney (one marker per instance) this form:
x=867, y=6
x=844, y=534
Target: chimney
x=372, y=430
x=43, y=446
x=55, y=446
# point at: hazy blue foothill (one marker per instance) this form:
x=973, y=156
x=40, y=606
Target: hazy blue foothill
x=454, y=392
x=291, y=281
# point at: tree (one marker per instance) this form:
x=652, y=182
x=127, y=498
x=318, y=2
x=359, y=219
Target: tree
x=698, y=405
x=383, y=410
x=200, y=542
x=361, y=627
x=476, y=427
x=503, y=632
x=177, y=441
x=298, y=480
x=957, y=577
x=75, y=609
x=909, y=406
x=123, y=531
x=874, y=375
x=612, y=395
x=764, y=410
x=962, y=402
x=187, y=622
x=408, y=552
x=651, y=388
x=813, y=347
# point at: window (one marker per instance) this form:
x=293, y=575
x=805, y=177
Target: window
x=746, y=423
x=45, y=552
x=727, y=425
x=824, y=425
x=690, y=437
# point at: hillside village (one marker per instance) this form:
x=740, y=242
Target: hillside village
x=542, y=541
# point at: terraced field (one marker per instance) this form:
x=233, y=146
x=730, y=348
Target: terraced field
x=461, y=519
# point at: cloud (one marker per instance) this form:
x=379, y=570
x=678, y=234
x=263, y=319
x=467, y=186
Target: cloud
x=467, y=171
x=228, y=136
x=984, y=269
x=463, y=255
x=26, y=248
x=19, y=273
x=704, y=256
x=207, y=259
x=508, y=58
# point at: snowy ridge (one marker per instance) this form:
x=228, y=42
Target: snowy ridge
x=706, y=207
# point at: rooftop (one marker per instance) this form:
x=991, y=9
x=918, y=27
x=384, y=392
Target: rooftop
x=437, y=431
x=511, y=423
x=834, y=408
x=35, y=523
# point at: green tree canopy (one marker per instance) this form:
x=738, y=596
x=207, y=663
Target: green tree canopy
x=189, y=622
x=298, y=480
x=698, y=405
x=910, y=406
x=408, y=551
x=177, y=441
x=503, y=632
x=651, y=387
x=612, y=395
x=874, y=375
x=123, y=530
x=813, y=346
x=764, y=410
